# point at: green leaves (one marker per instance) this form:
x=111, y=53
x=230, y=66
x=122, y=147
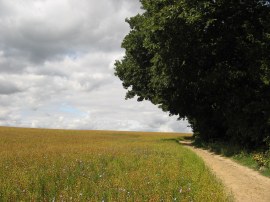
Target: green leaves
x=205, y=60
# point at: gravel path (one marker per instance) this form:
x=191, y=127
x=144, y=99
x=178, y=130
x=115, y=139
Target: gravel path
x=245, y=184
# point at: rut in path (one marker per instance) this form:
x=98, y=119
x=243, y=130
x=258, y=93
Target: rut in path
x=245, y=184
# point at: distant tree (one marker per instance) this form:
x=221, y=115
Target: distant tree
x=207, y=60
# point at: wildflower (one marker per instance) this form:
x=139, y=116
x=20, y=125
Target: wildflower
x=122, y=189
x=260, y=159
x=189, y=185
x=180, y=190
x=80, y=194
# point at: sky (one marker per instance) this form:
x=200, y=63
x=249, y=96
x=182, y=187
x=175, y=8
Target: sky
x=57, y=67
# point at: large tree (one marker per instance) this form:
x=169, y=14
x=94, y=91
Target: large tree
x=207, y=60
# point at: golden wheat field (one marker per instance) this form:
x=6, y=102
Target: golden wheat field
x=70, y=165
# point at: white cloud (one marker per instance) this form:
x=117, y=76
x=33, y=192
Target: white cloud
x=57, y=67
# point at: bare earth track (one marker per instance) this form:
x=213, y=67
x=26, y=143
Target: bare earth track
x=245, y=184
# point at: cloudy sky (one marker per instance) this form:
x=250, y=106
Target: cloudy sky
x=57, y=63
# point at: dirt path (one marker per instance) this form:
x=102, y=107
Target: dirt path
x=245, y=184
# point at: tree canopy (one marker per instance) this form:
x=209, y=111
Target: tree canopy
x=207, y=61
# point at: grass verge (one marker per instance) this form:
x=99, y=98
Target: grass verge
x=256, y=159
x=65, y=165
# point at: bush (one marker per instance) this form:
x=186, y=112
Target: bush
x=261, y=160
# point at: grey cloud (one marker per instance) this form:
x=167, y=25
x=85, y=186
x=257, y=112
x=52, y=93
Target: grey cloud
x=56, y=67
x=7, y=87
x=52, y=32
x=11, y=64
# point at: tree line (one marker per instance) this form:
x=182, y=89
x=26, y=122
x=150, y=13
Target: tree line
x=207, y=61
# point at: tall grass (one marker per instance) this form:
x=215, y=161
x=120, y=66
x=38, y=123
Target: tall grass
x=65, y=165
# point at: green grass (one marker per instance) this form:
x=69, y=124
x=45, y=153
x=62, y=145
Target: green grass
x=238, y=154
x=65, y=165
x=246, y=159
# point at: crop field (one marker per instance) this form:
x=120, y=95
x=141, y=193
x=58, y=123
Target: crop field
x=70, y=165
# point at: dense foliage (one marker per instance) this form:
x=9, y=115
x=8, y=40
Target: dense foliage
x=207, y=61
